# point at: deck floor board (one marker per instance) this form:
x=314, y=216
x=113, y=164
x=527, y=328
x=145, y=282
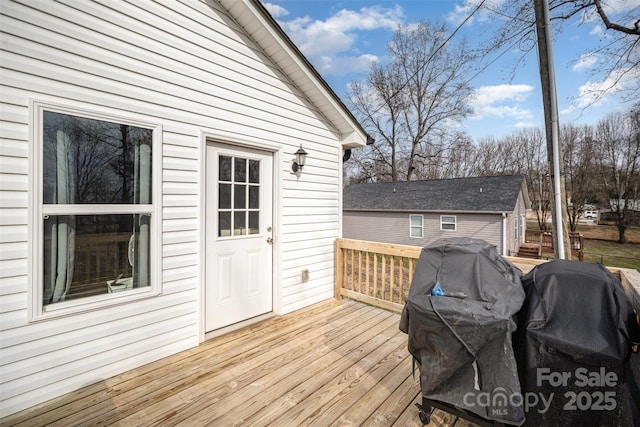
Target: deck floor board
x=334, y=363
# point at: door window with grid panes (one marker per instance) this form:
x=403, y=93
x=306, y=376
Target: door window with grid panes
x=238, y=196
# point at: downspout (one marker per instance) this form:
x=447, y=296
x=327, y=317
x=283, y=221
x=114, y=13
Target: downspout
x=347, y=155
x=504, y=234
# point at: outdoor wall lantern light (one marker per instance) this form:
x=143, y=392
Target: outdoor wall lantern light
x=298, y=163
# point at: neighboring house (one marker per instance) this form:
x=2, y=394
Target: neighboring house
x=147, y=193
x=416, y=213
x=620, y=204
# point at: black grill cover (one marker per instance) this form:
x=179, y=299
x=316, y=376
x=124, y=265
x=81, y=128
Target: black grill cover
x=573, y=346
x=463, y=345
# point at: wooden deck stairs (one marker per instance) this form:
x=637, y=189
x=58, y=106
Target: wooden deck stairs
x=530, y=250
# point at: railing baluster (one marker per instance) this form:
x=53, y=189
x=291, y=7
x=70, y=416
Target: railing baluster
x=360, y=271
x=400, y=280
x=375, y=275
x=353, y=271
x=367, y=271
x=392, y=260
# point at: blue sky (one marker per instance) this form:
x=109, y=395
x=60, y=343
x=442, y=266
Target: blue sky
x=342, y=37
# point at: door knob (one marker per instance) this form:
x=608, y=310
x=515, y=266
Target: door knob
x=270, y=240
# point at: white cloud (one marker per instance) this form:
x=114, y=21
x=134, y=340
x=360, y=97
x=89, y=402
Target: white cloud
x=586, y=61
x=461, y=12
x=340, y=65
x=491, y=94
x=501, y=101
x=598, y=31
x=330, y=44
x=614, y=7
x=597, y=93
x=526, y=125
x=275, y=10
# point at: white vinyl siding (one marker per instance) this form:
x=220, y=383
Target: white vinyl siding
x=187, y=67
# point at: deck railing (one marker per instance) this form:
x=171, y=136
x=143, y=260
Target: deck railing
x=380, y=274
x=375, y=273
x=545, y=240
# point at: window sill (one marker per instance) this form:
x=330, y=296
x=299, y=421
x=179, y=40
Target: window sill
x=116, y=297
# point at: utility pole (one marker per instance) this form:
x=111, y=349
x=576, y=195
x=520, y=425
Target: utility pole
x=561, y=243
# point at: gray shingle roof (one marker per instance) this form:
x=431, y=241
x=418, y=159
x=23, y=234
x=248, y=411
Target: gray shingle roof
x=480, y=194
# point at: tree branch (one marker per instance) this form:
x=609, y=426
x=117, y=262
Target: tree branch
x=610, y=25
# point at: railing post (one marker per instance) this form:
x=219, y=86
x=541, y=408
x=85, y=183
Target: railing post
x=540, y=247
x=339, y=270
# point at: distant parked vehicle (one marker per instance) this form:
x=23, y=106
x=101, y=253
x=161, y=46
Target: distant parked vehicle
x=590, y=214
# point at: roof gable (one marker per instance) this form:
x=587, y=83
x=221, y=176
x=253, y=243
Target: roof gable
x=266, y=32
x=480, y=194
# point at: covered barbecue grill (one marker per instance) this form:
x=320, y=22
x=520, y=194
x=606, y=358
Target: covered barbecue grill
x=459, y=317
x=573, y=347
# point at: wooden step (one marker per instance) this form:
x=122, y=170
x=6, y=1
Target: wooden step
x=529, y=250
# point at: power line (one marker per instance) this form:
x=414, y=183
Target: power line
x=493, y=61
x=408, y=80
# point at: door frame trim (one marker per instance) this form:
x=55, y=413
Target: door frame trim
x=207, y=138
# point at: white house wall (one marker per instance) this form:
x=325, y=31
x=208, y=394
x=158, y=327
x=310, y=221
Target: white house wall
x=393, y=227
x=514, y=241
x=188, y=67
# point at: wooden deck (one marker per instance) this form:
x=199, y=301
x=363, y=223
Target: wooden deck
x=334, y=363
x=339, y=362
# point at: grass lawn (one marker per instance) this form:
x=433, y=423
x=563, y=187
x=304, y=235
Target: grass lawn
x=612, y=254
x=600, y=245
x=608, y=232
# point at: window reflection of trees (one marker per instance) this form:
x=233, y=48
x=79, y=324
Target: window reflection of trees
x=103, y=155
x=101, y=163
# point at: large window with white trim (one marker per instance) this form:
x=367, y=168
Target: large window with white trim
x=96, y=207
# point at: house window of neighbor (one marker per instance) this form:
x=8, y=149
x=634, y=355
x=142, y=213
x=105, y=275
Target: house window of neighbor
x=448, y=222
x=415, y=227
x=95, y=219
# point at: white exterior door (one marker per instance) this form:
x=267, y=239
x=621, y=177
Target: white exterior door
x=239, y=251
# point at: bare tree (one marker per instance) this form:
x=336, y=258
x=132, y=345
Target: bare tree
x=491, y=157
x=579, y=166
x=523, y=152
x=617, y=53
x=503, y=156
x=460, y=158
x=618, y=139
x=410, y=104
